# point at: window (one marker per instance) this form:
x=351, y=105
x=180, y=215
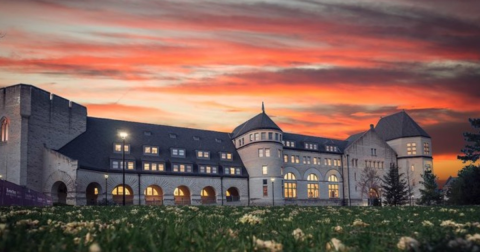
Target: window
x=426, y=149
x=314, y=160
x=232, y=170
x=203, y=154
x=373, y=151
x=267, y=152
x=413, y=168
x=297, y=159
x=4, y=129
x=260, y=152
x=270, y=135
x=118, y=164
x=292, y=159
x=285, y=158
x=276, y=137
x=304, y=160
x=117, y=148
x=309, y=160
x=208, y=169
x=411, y=149
x=279, y=153
x=329, y=161
x=153, y=166
x=334, y=162
x=181, y=168
x=332, y=188
x=150, y=150
x=178, y=152
x=264, y=170
x=265, y=188
x=257, y=137
x=312, y=186
x=290, y=143
x=251, y=137
x=263, y=136
x=290, y=186
x=226, y=155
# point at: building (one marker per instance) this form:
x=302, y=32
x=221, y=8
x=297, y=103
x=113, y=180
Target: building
x=49, y=144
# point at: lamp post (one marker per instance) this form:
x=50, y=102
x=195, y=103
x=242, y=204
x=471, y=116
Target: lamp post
x=123, y=135
x=106, y=189
x=273, y=191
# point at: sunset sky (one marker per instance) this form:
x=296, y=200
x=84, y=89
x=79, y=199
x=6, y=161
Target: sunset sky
x=324, y=68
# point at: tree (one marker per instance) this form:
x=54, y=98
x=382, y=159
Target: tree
x=394, y=187
x=369, y=179
x=430, y=193
x=472, y=149
x=465, y=190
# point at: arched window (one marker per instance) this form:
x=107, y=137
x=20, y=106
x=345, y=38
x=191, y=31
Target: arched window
x=290, y=186
x=153, y=195
x=332, y=186
x=4, y=129
x=312, y=186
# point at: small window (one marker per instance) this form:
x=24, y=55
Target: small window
x=263, y=136
x=285, y=158
x=117, y=148
x=260, y=152
x=251, y=137
x=178, y=152
x=265, y=170
x=172, y=135
x=257, y=137
x=270, y=135
x=203, y=154
x=267, y=152
x=147, y=133
x=276, y=137
x=279, y=153
x=196, y=138
x=218, y=140
x=225, y=156
x=4, y=129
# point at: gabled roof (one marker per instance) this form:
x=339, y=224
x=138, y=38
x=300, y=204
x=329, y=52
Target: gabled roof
x=94, y=148
x=260, y=121
x=300, y=140
x=351, y=139
x=399, y=125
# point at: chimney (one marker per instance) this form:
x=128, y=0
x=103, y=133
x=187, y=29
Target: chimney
x=371, y=126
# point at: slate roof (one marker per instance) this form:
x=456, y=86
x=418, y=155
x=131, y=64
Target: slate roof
x=300, y=141
x=94, y=148
x=260, y=121
x=351, y=139
x=399, y=125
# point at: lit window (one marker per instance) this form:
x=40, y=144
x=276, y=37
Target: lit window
x=332, y=188
x=95, y=191
x=147, y=150
x=332, y=178
x=130, y=165
x=312, y=186
x=304, y=160
x=203, y=154
x=146, y=166
x=4, y=129
x=329, y=161
x=264, y=170
x=267, y=152
x=257, y=137
x=119, y=191
x=285, y=158
x=290, y=186
x=118, y=148
x=260, y=152
x=413, y=168
x=411, y=149
x=314, y=160
x=292, y=159
x=297, y=159
x=426, y=149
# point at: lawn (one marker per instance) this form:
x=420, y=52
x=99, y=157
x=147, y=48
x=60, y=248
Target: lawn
x=145, y=228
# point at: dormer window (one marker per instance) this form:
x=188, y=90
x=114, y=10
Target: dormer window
x=226, y=155
x=311, y=146
x=289, y=144
x=150, y=150
x=203, y=154
x=181, y=168
x=178, y=152
x=331, y=148
x=117, y=148
x=208, y=169
x=232, y=170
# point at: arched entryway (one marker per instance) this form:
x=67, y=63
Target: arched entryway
x=182, y=195
x=117, y=195
x=232, y=194
x=92, y=192
x=373, y=197
x=208, y=195
x=153, y=195
x=59, y=192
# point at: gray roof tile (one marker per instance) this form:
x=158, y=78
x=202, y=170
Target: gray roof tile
x=399, y=125
x=260, y=121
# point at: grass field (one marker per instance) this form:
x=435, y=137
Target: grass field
x=144, y=228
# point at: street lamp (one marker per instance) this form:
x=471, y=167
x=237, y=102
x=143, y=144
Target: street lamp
x=273, y=191
x=106, y=178
x=123, y=135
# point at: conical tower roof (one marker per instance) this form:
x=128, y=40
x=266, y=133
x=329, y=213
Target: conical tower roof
x=260, y=121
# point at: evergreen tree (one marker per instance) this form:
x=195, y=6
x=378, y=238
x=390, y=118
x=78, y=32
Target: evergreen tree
x=472, y=149
x=465, y=190
x=394, y=188
x=430, y=193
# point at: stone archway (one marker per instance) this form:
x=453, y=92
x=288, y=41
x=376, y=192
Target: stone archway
x=153, y=195
x=182, y=195
x=59, y=192
x=117, y=195
x=208, y=195
x=232, y=194
x=92, y=193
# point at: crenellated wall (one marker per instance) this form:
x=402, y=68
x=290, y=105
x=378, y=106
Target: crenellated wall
x=38, y=119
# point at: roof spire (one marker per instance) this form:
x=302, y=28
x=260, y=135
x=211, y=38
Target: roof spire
x=263, y=108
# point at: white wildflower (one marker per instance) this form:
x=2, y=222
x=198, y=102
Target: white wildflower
x=94, y=248
x=359, y=223
x=298, y=234
x=338, y=229
x=336, y=245
x=427, y=223
x=250, y=219
x=268, y=245
x=474, y=238
x=407, y=243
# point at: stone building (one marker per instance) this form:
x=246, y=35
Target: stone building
x=49, y=144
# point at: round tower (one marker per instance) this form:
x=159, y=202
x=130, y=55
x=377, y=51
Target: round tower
x=259, y=144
